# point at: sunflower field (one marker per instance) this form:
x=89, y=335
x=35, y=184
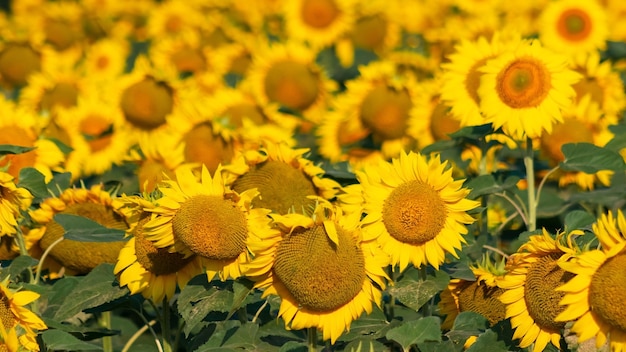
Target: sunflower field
x=313, y=175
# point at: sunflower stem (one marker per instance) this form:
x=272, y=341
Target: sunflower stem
x=165, y=325
x=138, y=333
x=312, y=339
x=105, y=322
x=530, y=179
x=43, y=257
x=21, y=244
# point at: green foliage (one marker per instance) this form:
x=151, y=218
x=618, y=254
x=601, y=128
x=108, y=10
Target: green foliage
x=79, y=228
x=58, y=340
x=416, y=332
x=14, y=149
x=590, y=158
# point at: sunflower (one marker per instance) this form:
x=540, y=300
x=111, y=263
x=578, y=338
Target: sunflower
x=375, y=28
x=156, y=158
x=574, y=26
x=97, y=135
x=286, y=74
x=415, y=208
x=592, y=297
x=49, y=90
x=12, y=200
x=18, y=325
x=173, y=18
x=21, y=127
x=18, y=60
x=184, y=54
x=531, y=301
x=94, y=204
x=319, y=269
x=154, y=272
x=318, y=22
x=299, y=178
x=105, y=59
x=524, y=90
x=206, y=219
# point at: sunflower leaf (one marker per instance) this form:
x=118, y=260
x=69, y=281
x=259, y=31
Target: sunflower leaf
x=415, y=332
x=200, y=298
x=33, y=181
x=78, y=228
x=57, y=340
x=487, y=184
x=229, y=335
x=488, y=341
x=589, y=158
x=14, y=149
x=414, y=293
x=578, y=219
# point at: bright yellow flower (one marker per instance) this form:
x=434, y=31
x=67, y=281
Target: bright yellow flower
x=18, y=325
x=13, y=200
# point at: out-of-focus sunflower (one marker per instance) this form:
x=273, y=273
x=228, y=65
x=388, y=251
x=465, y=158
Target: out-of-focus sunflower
x=18, y=60
x=531, y=301
x=184, y=54
x=574, y=26
x=375, y=28
x=18, y=325
x=318, y=22
x=287, y=75
x=58, y=26
x=207, y=219
x=415, y=208
x=616, y=10
x=12, y=201
x=143, y=268
x=97, y=135
x=52, y=89
x=157, y=158
x=173, y=18
x=319, y=269
x=416, y=64
x=95, y=204
x=523, y=90
x=21, y=127
x=105, y=59
x=285, y=179
x=592, y=298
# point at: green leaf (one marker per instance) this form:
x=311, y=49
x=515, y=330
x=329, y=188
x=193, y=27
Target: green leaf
x=60, y=182
x=198, y=299
x=415, y=332
x=34, y=181
x=578, y=219
x=364, y=345
x=94, y=290
x=487, y=184
x=439, y=146
x=374, y=325
x=229, y=335
x=82, y=331
x=61, y=289
x=14, y=149
x=473, y=132
x=414, y=293
x=57, y=340
x=441, y=346
x=590, y=158
x=18, y=265
x=241, y=289
x=550, y=204
x=618, y=142
x=79, y=228
x=293, y=346
x=470, y=321
x=488, y=342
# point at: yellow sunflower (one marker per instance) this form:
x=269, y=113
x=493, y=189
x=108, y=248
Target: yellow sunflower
x=12, y=201
x=524, y=90
x=173, y=18
x=531, y=301
x=287, y=75
x=21, y=127
x=18, y=60
x=574, y=26
x=94, y=204
x=207, y=219
x=375, y=28
x=318, y=22
x=143, y=268
x=284, y=178
x=49, y=90
x=184, y=54
x=594, y=297
x=319, y=269
x=105, y=59
x=18, y=325
x=415, y=208
x=156, y=158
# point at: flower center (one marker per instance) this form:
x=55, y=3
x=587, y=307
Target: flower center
x=95, y=129
x=188, y=60
x=542, y=301
x=442, y=123
x=60, y=34
x=292, y=84
x=84, y=256
x=6, y=315
x=17, y=62
x=414, y=213
x=282, y=188
x=482, y=299
x=320, y=275
x=202, y=146
x=369, y=32
x=607, y=289
x=385, y=111
x=570, y=131
x=524, y=83
x=574, y=25
x=63, y=94
x=147, y=103
x=319, y=13
x=15, y=135
x=237, y=113
x=158, y=261
x=212, y=227
x=174, y=24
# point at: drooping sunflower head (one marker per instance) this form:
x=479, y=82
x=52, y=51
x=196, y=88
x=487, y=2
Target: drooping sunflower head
x=320, y=271
x=532, y=303
x=284, y=178
x=415, y=208
x=95, y=204
x=204, y=218
x=524, y=90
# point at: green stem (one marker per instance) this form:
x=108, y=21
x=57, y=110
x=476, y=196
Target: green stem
x=165, y=324
x=312, y=339
x=105, y=322
x=43, y=257
x=21, y=244
x=530, y=179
